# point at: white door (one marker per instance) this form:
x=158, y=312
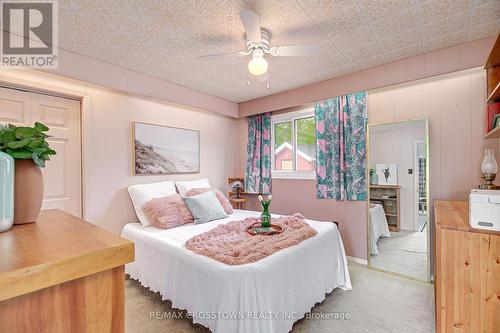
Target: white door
x=62, y=174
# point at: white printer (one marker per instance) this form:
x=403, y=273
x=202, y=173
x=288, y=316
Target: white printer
x=484, y=209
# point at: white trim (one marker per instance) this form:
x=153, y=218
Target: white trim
x=291, y=117
x=288, y=116
x=357, y=260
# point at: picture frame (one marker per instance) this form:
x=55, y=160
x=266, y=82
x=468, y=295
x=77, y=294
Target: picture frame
x=164, y=150
x=387, y=174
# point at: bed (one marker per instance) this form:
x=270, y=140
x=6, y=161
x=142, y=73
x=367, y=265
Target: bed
x=379, y=226
x=267, y=296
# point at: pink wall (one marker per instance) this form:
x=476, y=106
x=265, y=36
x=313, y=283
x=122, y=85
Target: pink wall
x=292, y=196
x=458, y=57
x=107, y=118
x=109, y=140
x=101, y=73
x=453, y=103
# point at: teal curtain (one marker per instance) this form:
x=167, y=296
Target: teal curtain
x=341, y=147
x=258, y=168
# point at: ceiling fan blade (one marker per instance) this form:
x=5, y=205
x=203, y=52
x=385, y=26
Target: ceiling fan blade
x=251, y=23
x=223, y=55
x=295, y=51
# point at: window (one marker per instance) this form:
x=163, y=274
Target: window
x=294, y=145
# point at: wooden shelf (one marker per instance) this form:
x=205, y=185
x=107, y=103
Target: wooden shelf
x=392, y=210
x=495, y=94
x=492, y=68
x=393, y=228
x=494, y=133
x=494, y=57
x=385, y=186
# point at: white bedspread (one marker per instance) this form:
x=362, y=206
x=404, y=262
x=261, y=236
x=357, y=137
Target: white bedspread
x=267, y=296
x=380, y=228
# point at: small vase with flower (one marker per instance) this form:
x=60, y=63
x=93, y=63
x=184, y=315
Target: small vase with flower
x=265, y=217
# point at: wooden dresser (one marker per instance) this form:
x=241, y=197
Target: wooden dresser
x=62, y=274
x=467, y=272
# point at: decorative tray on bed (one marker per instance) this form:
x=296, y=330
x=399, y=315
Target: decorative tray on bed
x=257, y=229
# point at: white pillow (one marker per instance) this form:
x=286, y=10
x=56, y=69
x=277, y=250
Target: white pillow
x=184, y=187
x=143, y=193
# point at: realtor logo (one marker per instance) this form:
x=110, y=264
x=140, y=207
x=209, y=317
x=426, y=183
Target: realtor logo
x=29, y=33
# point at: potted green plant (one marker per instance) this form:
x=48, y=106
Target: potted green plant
x=30, y=150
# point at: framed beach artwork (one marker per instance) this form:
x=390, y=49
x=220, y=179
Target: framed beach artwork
x=165, y=150
x=387, y=174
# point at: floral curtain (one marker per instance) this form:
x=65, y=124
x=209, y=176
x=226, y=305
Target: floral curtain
x=341, y=147
x=258, y=168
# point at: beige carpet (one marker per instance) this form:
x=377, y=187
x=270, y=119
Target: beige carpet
x=378, y=303
x=404, y=253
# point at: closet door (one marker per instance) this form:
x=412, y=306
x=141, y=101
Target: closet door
x=14, y=107
x=62, y=174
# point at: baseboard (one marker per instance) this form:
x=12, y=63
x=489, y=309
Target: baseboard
x=357, y=260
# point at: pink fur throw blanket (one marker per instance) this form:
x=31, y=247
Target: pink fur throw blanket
x=231, y=244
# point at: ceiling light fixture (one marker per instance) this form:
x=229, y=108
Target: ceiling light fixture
x=258, y=65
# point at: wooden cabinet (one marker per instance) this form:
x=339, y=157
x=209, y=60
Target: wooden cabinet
x=62, y=274
x=389, y=196
x=467, y=272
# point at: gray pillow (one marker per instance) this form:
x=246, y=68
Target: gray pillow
x=205, y=207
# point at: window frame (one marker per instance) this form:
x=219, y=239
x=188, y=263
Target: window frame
x=283, y=118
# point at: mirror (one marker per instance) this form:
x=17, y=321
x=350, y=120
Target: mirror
x=398, y=216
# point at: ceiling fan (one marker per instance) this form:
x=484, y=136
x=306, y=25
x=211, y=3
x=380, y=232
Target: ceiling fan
x=258, y=42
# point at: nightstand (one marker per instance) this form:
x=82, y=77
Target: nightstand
x=238, y=203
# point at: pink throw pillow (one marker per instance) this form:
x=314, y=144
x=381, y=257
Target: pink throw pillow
x=220, y=196
x=168, y=212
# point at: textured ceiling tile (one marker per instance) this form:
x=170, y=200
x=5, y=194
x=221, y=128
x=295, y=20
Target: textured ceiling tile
x=487, y=13
x=445, y=27
x=291, y=22
x=329, y=56
x=361, y=53
x=165, y=38
x=376, y=9
x=478, y=3
x=370, y=62
x=439, y=9
x=445, y=41
x=354, y=38
x=396, y=22
x=337, y=17
x=403, y=53
x=400, y=41
x=484, y=31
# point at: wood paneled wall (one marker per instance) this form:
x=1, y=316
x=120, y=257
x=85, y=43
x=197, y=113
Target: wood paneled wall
x=454, y=104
